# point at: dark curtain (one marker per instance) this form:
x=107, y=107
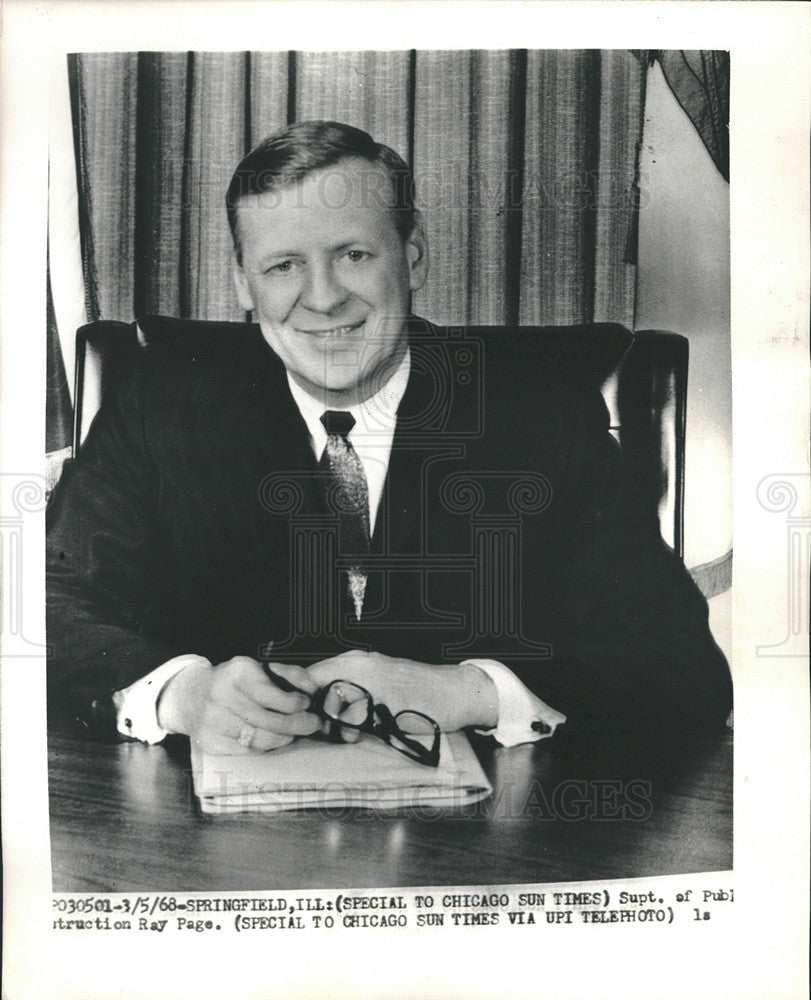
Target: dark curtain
x=700, y=83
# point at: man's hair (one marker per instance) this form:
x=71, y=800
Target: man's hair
x=287, y=157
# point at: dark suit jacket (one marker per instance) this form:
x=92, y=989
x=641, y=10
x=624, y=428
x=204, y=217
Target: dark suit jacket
x=195, y=520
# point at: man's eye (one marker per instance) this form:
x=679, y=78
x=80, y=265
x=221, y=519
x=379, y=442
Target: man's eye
x=357, y=255
x=283, y=267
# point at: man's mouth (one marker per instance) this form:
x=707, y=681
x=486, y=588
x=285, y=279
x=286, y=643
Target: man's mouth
x=334, y=332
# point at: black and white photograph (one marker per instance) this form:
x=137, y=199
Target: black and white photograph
x=384, y=565
x=354, y=502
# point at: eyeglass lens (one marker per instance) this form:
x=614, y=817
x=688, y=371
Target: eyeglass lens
x=351, y=705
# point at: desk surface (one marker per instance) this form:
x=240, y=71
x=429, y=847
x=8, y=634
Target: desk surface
x=124, y=818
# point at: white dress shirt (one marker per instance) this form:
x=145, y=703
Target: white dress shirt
x=373, y=433
x=371, y=437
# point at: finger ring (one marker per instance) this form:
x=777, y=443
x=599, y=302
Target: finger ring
x=246, y=735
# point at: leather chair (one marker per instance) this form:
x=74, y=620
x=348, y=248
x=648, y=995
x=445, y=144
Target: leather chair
x=643, y=377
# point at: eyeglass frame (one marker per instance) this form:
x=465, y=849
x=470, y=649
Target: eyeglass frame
x=386, y=730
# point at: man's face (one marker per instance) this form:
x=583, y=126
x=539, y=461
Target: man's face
x=328, y=277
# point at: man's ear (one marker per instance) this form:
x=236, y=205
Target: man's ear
x=417, y=253
x=241, y=283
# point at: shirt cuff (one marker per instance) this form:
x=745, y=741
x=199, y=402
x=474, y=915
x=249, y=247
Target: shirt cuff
x=522, y=717
x=137, y=705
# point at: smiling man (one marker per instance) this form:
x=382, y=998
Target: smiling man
x=309, y=488
x=328, y=276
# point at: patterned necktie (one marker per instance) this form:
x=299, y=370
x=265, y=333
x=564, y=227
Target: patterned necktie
x=351, y=495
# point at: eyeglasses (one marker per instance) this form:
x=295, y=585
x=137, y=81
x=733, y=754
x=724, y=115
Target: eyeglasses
x=344, y=703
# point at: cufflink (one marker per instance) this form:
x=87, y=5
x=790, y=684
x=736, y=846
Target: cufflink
x=539, y=726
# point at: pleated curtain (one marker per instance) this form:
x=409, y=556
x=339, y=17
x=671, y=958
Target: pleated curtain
x=524, y=163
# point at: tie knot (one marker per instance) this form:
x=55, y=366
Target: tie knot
x=338, y=422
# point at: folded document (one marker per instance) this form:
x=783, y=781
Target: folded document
x=311, y=773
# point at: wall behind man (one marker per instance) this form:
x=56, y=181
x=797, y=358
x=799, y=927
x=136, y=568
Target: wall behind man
x=683, y=285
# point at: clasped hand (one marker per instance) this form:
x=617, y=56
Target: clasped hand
x=216, y=706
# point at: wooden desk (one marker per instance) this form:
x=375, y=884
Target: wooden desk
x=124, y=818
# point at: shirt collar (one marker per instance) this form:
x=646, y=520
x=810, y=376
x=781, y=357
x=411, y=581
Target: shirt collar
x=375, y=415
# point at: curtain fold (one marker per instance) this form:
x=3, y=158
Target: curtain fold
x=267, y=96
x=616, y=188
x=493, y=199
x=557, y=265
x=160, y=152
x=216, y=136
x=524, y=162
x=442, y=121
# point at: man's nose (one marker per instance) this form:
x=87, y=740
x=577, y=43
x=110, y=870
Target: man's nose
x=322, y=291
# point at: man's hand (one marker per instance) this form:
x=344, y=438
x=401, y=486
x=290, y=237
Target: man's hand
x=213, y=706
x=454, y=696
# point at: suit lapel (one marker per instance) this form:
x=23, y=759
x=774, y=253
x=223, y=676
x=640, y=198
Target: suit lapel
x=401, y=516
x=281, y=439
